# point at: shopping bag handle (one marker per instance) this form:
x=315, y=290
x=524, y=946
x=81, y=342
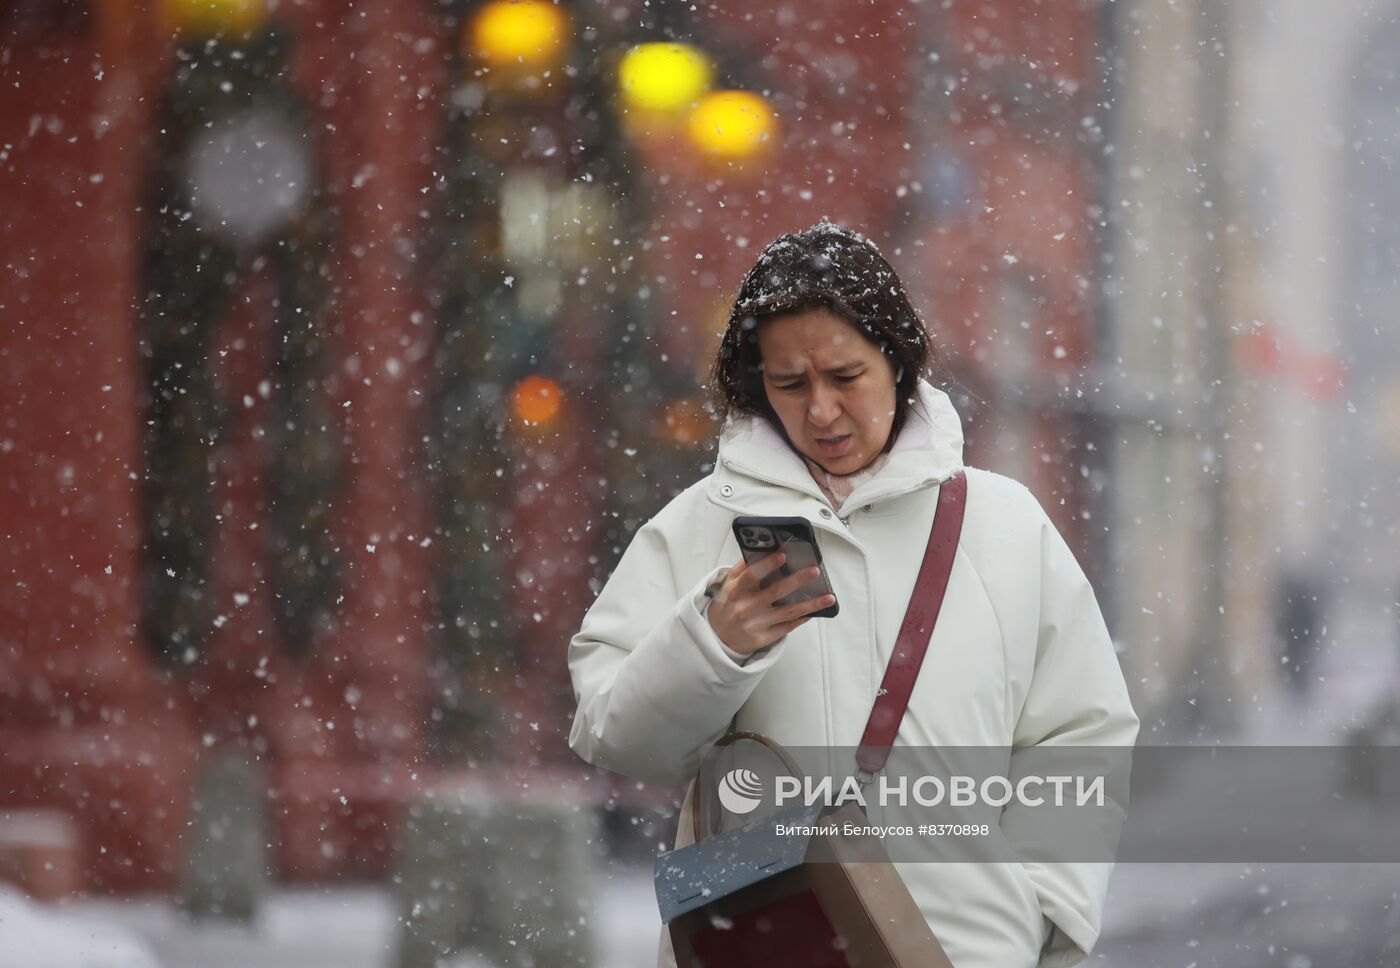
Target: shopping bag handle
x=706, y=809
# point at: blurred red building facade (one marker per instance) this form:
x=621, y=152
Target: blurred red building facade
x=960, y=140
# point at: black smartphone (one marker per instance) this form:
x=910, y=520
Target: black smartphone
x=759, y=537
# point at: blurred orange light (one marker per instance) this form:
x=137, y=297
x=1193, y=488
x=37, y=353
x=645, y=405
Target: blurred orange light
x=519, y=36
x=537, y=399
x=732, y=124
x=686, y=421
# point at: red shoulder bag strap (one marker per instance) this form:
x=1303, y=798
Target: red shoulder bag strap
x=909, y=648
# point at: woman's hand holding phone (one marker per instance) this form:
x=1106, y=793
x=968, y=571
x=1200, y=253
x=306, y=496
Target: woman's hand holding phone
x=742, y=612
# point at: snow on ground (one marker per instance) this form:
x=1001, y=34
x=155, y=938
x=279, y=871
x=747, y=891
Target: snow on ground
x=350, y=927
x=38, y=936
x=342, y=927
x=355, y=927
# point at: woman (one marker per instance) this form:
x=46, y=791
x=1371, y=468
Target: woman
x=820, y=377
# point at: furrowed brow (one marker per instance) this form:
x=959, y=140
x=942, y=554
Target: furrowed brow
x=839, y=368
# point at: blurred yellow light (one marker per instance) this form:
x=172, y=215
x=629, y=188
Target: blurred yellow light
x=663, y=77
x=537, y=399
x=732, y=124
x=208, y=17
x=519, y=35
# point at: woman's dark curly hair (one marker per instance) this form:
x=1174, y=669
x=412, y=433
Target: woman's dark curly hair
x=822, y=267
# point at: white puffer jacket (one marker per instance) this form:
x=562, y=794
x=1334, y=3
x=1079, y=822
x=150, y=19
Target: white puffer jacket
x=1020, y=656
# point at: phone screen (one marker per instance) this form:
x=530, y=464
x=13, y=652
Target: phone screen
x=800, y=554
x=760, y=537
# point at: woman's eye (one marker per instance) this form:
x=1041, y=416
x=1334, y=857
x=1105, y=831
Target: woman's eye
x=790, y=386
x=848, y=379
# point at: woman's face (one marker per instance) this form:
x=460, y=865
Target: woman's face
x=833, y=389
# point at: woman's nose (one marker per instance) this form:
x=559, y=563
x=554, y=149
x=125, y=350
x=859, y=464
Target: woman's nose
x=822, y=407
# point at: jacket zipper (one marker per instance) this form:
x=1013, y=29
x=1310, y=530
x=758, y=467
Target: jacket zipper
x=773, y=480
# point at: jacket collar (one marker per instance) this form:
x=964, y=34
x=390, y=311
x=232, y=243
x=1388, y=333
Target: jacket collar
x=928, y=451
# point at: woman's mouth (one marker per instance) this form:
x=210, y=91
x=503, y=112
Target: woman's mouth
x=834, y=446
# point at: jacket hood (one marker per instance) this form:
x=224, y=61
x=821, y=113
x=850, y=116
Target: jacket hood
x=928, y=450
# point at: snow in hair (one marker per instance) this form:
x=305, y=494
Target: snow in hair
x=769, y=285
x=824, y=227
